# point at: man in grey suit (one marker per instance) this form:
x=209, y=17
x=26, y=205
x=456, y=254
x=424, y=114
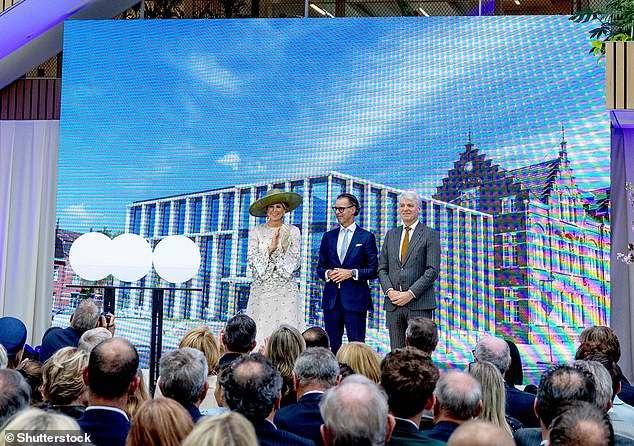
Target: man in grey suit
x=408, y=268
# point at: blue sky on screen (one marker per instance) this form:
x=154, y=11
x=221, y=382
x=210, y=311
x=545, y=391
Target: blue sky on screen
x=157, y=108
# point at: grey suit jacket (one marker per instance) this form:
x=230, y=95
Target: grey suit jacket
x=419, y=270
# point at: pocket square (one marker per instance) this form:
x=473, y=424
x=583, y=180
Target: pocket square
x=359, y=244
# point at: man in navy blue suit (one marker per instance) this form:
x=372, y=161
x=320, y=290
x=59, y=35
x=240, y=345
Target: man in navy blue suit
x=253, y=388
x=348, y=258
x=316, y=370
x=111, y=376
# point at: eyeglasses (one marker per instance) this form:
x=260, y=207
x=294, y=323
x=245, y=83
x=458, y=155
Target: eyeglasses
x=338, y=209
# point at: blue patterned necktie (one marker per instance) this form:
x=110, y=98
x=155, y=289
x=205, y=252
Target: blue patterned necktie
x=344, y=245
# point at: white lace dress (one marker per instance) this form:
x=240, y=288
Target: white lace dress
x=274, y=298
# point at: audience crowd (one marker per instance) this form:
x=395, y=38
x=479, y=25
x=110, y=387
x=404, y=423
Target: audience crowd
x=215, y=390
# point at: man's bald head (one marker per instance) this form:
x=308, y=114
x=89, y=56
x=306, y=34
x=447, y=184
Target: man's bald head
x=112, y=367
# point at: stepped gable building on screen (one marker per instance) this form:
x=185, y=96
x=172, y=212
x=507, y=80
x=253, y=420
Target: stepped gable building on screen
x=551, y=244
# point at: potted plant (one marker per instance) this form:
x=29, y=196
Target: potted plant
x=616, y=24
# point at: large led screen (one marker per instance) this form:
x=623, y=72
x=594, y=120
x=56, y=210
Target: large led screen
x=176, y=127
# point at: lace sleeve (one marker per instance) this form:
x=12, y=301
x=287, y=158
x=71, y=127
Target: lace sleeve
x=288, y=261
x=257, y=258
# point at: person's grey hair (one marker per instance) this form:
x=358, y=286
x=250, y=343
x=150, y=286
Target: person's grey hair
x=92, y=338
x=317, y=365
x=413, y=196
x=494, y=350
x=183, y=373
x=86, y=315
x=15, y=393
x=459, y=395
x=4, y=358
x=602, y=381
x=39, y=420
x=355, y=412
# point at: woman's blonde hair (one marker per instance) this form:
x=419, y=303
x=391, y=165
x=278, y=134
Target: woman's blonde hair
x=493, y=393
x=228, y=428
x=38, y=420
x=362, y=359
x=62, y=381
x=140, y=396
x=284, y=346
x=162, y=421
x=203, y=339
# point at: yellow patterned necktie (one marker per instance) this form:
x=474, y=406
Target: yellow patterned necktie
x=405, y=243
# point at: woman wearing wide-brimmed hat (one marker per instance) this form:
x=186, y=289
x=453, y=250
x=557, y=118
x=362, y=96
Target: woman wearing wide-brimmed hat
x=274, y=258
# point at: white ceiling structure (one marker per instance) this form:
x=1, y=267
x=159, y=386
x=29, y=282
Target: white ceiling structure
x=32, y=30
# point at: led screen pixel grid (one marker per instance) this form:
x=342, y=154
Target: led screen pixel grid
x=155, y=109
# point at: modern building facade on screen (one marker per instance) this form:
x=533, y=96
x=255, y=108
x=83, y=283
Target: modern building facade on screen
x=219, y=221
x=524, y=252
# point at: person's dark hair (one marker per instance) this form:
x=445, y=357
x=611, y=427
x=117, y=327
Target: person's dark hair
x=112, y=367
x=15, y=393
x=240, y=333
x=606, y=337
x=352, y=200
x=86, y=316
x=32, y=372
x=316, y=337
x=252, y=386
x=345, y=370
x=317, y=365
x=560, y=385
x=422, y=333
x=409, y=378
x=581, y=424
x=514, y=374
x=183, y=374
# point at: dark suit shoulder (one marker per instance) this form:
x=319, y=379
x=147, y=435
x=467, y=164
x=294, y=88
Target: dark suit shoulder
x=531, y=436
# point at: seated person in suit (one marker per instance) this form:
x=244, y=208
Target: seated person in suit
x=92, y=338
x=480, y=433
x=581, y=424
x=237, y=339
x=316, y=337
x=560, y=385
x=253, y=388
x=458, y=399
x=111, y=376
x=183, y=377
x=86, y=317
x=316, y=370
x=409, y=377
x=609, y=342
x=519, y=404
x=605, y=391
x=355, y=413
x=422, y=333
x=16, y=394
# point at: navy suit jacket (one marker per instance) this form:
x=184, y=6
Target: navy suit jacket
x=269, y=435
x=57, y=338
x=520, y=405
x=362, y=255
x=105, y=427
x=405, y=434
x=302, y=418
x=442, y=430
